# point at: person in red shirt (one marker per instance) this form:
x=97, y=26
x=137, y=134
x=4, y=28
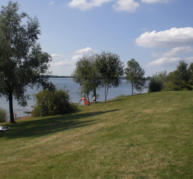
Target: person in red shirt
x=85, y=101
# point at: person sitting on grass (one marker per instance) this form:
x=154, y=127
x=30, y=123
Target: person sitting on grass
x=86, y=102
x=94, y=99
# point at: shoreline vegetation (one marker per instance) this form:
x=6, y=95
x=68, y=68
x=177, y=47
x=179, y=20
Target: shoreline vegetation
x=142, y=136
x=60, y=76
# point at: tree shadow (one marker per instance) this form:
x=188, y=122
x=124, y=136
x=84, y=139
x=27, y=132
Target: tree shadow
x=117, y=99
x=47, y=125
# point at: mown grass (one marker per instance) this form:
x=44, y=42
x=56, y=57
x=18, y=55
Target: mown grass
x=143, y=136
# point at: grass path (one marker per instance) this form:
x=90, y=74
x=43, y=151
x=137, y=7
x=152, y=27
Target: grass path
x=144, y=136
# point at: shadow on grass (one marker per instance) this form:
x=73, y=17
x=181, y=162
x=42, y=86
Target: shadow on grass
x=51, y=124
x=117, y=99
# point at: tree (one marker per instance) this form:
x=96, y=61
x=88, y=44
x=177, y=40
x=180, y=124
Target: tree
x=135, y=74
x=180, y=78
x=87, y=76
x=22, y=61
x=110, y=69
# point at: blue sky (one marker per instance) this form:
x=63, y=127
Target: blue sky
x=157, y=33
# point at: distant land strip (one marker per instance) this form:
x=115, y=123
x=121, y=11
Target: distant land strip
x=58, y=76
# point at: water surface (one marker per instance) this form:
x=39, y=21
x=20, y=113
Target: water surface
x=74, y=92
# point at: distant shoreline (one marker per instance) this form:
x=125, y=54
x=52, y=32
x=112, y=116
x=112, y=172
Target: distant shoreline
x=57, y=76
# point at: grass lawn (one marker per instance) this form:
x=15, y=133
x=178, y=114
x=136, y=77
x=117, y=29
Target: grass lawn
x=143, y=136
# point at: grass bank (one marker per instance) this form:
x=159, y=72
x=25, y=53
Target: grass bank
x=144, y=136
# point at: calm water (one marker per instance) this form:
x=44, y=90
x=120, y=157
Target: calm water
x=73, y=90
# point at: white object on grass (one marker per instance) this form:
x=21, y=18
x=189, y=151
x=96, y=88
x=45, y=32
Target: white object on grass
x=3, y=129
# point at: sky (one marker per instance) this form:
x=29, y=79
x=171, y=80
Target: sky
x=157, y=33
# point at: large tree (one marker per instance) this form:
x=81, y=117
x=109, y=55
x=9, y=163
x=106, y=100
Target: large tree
x=135, y=74
x=110, y=69
x=86, y=75
x=22, y=61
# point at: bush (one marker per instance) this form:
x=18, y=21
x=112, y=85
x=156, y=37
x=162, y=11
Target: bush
x=52, y=102
x=3, y=115
x=157, y=82
x=155, y=85
x=174, y=82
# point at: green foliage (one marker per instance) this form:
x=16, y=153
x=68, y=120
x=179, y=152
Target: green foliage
x=135, y=74
x=86, y=75
x=157, y=82
x=190, y=73
x=22, y=61
x=52, y=102
x=2, y=115
x=110, y=69
x=180, y=78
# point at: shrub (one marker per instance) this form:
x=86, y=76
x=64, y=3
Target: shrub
x=157, y=82
x=52, y=102
x=155, y=85
x=2, y=115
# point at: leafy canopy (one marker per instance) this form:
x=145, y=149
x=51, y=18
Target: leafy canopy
x=181, y=78
x=22, y=61
x=110, y=69
x=135, y=74
x=86, y=75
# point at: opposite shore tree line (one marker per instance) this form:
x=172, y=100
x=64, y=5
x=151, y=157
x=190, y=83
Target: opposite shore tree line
x=23, y=63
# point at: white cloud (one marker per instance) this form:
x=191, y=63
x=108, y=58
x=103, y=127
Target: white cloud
x=84, y=51
x=86, y=4
x=126, y=5
x=168, y=60
x=154, y=1
x=164, y=60
x=51, y=3
x=81, y=52
x=119, y=5
x=65, y=66
x=169, y=38
x=174, y=55
x=178, y=42
x=178, y=51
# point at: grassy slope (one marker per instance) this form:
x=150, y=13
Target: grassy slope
x=145, y=136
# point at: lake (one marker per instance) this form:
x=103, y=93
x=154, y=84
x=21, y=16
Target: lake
x=74, y=92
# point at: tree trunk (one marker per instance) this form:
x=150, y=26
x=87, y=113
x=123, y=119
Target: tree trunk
x=132, y=88
x=106, y=92
x=11, y=108
x=94, y=92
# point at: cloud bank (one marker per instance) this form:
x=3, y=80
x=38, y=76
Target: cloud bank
x=177, y=44
x=86, y=4
x=168, y=38
x=154, y=1
x=173, y=56
x=119, y=5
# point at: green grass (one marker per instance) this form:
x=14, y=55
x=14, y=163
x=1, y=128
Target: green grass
x=143, y=136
